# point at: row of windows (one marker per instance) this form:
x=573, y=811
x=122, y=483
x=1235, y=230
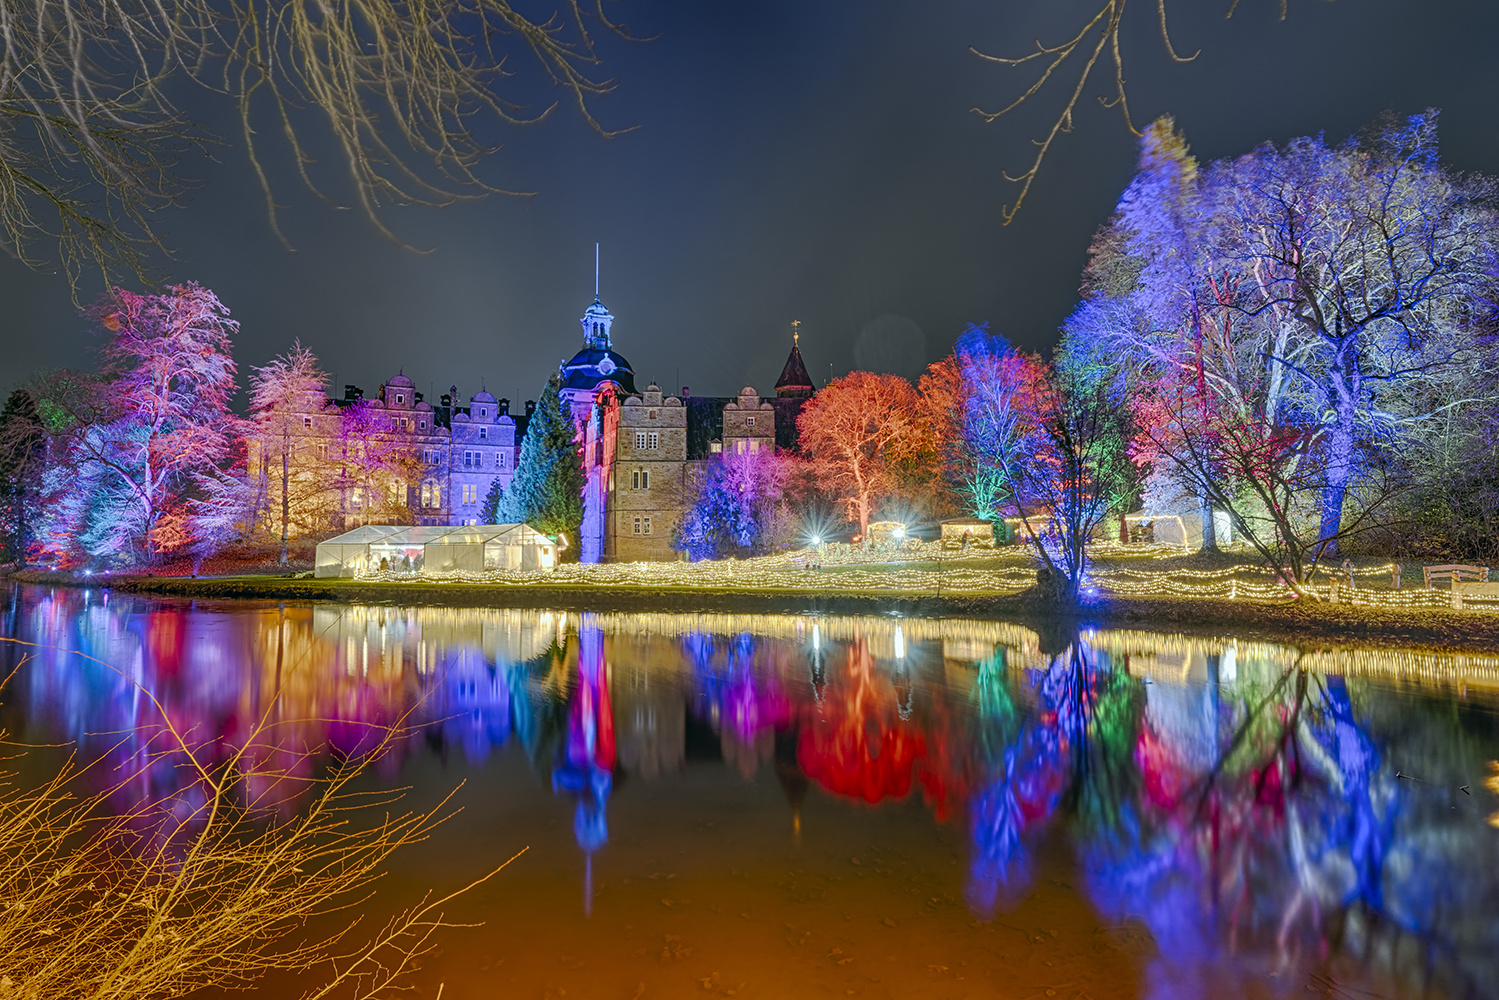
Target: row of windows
x=475, y=460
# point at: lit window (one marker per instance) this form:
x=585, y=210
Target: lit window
x=655, y=439
x=754, y=447
x=470, y=495
x=749, y=421
x=647, y=525
x=739, y=447
x=640, y=439
x=431, y=494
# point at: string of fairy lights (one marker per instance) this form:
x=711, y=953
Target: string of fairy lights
x=928, y=568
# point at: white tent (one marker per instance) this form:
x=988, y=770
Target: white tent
x=479, y=547
x=434, y=550
x=348, y=554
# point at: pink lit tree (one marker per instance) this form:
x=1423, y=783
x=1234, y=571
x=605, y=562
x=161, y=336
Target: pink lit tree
x=131, y=443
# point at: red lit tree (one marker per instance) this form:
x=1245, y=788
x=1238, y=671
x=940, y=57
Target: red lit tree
x=857, y=429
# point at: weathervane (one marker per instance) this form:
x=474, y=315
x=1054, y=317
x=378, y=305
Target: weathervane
x=796, y=336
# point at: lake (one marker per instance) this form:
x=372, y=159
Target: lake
x=800, y=806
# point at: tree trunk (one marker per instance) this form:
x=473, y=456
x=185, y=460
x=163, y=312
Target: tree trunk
x=1209, y=526
x=285, y=495
x=1340, y=462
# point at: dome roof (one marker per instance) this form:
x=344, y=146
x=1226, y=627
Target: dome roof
x=402, y=381
x=481, y=397
x=592, y=366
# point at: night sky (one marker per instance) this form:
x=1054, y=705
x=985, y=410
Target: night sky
x=793, y=160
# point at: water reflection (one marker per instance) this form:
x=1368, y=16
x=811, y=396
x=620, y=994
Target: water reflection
x=1257, y=808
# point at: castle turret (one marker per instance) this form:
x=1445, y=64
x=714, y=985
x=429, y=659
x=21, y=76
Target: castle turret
x=794, y=381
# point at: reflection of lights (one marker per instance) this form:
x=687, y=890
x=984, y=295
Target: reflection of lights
x=816, y=637
x=900, y=643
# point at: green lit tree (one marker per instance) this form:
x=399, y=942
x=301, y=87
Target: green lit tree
x=547, y=489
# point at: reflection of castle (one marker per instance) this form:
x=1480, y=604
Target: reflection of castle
x=637, y=448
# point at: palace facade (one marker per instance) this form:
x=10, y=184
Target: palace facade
x=425, y=464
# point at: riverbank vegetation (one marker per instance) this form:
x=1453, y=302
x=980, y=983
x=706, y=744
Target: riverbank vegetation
x=178, y=859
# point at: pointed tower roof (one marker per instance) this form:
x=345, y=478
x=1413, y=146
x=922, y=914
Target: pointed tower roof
x=794, y=380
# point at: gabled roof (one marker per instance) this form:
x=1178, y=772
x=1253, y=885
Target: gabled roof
x=794, y=380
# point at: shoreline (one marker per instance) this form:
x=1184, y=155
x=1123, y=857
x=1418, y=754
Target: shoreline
x=1289, y=623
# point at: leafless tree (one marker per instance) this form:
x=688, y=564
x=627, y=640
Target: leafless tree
x=211, y=883
x=92, y=126
x=1098, y=34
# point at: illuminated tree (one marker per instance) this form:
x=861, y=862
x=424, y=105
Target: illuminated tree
x=975, y=405
x=546, y=491
x=375, y=466
x=130, y=442
x=90, y=131
x=857, y=428
x=1311, y=313
x=287, y=398
x=734, y=504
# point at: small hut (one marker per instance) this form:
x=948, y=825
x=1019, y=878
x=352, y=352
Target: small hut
x=967, y=532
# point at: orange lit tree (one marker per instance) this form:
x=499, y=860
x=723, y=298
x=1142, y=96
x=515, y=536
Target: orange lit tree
x=857, y=430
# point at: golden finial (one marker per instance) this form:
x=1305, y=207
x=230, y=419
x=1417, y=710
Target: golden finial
x=795, y=333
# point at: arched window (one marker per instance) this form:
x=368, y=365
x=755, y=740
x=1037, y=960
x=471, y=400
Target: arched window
x=431, y=493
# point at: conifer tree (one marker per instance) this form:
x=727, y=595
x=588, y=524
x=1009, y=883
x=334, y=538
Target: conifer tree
x=547, y=489
x=492, y=501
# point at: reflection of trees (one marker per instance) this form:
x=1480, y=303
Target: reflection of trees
x=857, y=744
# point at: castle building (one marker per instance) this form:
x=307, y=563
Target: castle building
x=406, y=461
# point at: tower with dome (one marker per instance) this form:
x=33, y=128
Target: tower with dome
x=638, y=447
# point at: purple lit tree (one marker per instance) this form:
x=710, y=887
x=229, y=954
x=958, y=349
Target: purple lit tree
x=131, y=442
x=735, y=504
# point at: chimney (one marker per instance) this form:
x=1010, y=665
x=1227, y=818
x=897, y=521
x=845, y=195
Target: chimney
x=686, y=393
x=504, y=405
x=530, y=408
x=447, y=400
x=353, y=392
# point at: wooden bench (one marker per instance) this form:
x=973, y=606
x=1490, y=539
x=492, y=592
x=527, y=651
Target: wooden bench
x=1455, y=573
x=1465, y=592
